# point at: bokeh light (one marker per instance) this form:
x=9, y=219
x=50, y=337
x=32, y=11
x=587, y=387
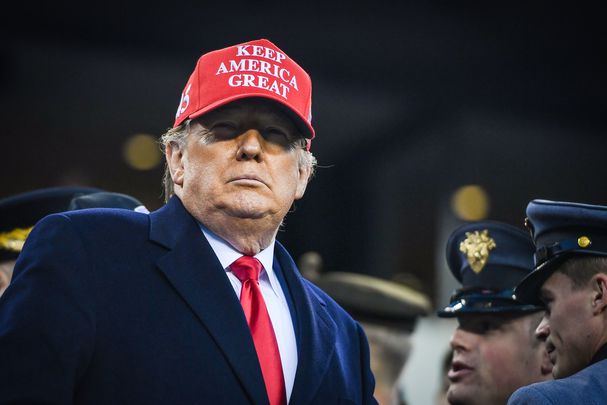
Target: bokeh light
x=470, y=203
x=141, y=152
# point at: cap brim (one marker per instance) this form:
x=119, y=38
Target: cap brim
x=459, y=308
x=528, y=290
x=375, y=300
x=300, y=122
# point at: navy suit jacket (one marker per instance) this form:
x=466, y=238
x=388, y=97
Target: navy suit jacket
x=588, y=387
x=111, y=306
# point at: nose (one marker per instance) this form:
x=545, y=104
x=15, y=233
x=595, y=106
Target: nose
x=250, y=145
x=461, y=340
x=543, y=329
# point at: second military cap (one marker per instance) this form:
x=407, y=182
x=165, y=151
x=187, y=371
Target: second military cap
x=561, y=230
x=488, y=258
x=375, y=300
x=20, y=212
x=107, y=199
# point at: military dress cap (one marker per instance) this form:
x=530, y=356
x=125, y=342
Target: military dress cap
x=106, y=199
x=375, y=300
x=561, y=230
x=20, y=212
x=488, y=258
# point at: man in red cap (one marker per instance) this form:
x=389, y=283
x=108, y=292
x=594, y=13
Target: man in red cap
x=196, y=302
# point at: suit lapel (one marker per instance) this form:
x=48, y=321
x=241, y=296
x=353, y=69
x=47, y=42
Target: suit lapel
x=192, y=268
x=317, y=330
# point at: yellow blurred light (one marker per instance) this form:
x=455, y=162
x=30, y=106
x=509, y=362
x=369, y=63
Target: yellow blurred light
x=141, y=152
x=470, y=203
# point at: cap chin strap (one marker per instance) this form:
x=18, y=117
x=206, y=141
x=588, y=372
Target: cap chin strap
x=546, y=253
x=583, y=244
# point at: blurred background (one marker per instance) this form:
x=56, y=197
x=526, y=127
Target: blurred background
x=427, y=114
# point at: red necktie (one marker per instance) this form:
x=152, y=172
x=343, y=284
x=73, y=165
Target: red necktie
x=247, y=270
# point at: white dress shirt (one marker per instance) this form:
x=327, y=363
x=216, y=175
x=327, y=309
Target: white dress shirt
x=274, y=297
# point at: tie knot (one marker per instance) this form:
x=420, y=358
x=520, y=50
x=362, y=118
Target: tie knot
x=246, y=268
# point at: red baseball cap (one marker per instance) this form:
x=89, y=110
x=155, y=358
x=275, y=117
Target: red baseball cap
x=251, y=69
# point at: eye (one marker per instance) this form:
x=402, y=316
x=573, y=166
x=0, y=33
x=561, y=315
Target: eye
x=488, y=326
x=224, y=130
x=276, y=135
x=547, y=305
x=483, y=326
x=479, y=326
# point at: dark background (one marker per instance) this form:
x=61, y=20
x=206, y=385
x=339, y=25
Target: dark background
x=410, y=103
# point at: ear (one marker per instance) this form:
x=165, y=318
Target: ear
x=302, y=181
x=174, y=156
x=599, y=293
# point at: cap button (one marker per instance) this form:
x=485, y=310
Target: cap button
x=584, y=241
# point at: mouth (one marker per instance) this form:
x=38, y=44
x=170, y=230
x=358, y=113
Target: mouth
x=551, y=349
x=248, y=180
x=458, y=371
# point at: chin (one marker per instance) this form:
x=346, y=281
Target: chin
x=559, y=372
x=244, y=212
x=562, y=372
x=457, y=395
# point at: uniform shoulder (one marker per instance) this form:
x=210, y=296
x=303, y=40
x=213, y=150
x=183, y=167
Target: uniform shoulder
x=586, y=384
x=537, y=393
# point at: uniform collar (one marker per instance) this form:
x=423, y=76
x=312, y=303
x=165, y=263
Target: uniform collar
x=601, y=354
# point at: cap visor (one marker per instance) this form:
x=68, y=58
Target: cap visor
x=300, y=122
x=454, y=309
x=528, y=290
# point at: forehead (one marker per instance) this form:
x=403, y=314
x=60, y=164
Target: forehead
x=556, y=283
x=478, y=323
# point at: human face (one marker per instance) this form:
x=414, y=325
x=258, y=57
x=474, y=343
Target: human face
x=240, y=161
x=6, y=272
x=493, y=355
x=567, y=325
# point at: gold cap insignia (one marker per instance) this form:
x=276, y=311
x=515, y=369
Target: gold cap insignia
x=15, y=239
x=584, y=241
x=476, y=247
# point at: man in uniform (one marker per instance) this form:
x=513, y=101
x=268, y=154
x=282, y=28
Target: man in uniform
x=570, y=279
x=494, y=347
x=388, y=311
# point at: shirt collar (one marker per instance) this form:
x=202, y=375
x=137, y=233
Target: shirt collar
x=227, y=255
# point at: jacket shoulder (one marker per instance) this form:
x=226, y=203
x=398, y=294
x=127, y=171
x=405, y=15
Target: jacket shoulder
x=538, y=393
x=588, y=384
x=91, y=224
